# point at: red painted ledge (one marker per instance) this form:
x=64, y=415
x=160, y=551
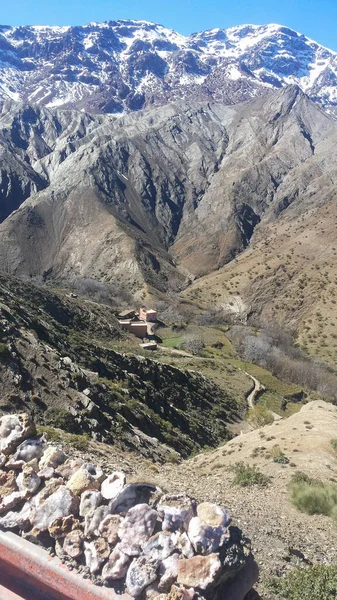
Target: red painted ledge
x=27, y=572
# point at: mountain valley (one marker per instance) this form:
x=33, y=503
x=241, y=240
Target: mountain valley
x=196, y=176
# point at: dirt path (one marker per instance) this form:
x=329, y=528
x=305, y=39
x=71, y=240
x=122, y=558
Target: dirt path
x=258, y=387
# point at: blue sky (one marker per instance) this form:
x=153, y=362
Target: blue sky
x=315, y=18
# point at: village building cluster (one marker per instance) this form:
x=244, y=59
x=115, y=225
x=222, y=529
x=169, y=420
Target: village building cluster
x=141, y=324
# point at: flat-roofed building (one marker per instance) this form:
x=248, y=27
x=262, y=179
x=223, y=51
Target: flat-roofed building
x=149, y=316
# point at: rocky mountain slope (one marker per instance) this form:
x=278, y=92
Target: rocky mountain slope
x=282, y=536
x=59, y=360
x=121, y=66
x=170, y=193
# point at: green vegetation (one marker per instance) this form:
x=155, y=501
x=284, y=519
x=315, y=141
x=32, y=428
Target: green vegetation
x=273, y=384
x=79, y=442
x=4, y=353
x=173, y=342
x=312, y=496
x=61, y=419
x=259, y=416
x=278, y=456
x=275, y=403
x=312, y=583
x=334, y=444
x=247, y=475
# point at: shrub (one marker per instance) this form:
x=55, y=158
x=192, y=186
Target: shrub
x=278, y=456
x=312, y=583
x=60, y=418
x=312, y=496
x=334, y=444
x=4, y=353
x=259, y=416
x=246, y=475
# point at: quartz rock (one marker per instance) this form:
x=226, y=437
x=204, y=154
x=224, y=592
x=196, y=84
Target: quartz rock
x=12, y=500
x=112, y=485
x=19, y=519
x=136, y=528
x=28, y=480
x=46, y=473
x=90, y=500
x=93, y=520
x=52, y=457
x=176, y=511
x=209, y=530
x=14, y=429
x=131, y=495
x=59, y=504
x=50, y=487
x=141, y=573
x=181, y=593
x=27, y=451
x=109, y=528
x=87, y=477
x=168, y=572
x=199, y=571
x=95, y=554
x=63, y=525
x=117, y=565
x=67, y=469
x=7, y=484
x=213, y=515
x=3, y=459
x=73, y=543
x=183, y=544
x=159, y=546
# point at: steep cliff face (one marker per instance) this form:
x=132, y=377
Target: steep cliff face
x=160, y=195
x=120, y=66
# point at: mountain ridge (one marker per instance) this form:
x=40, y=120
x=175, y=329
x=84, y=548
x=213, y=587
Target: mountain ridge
x=126, y=65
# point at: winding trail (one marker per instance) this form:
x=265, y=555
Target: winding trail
x=258, y=387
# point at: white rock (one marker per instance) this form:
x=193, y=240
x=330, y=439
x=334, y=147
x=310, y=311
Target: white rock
x=95, y=554
x=28, y=480
x=159, y=546
x=14, y=429
x=112, y=485
x=90, y=500
x=209, y=530
x=168, y=572
x=176, y=511
x=131, y=495
x=136, y=528
x=52, y=457
x=117, y=565
x=29, y=450
x=141, y=573
x=183, y=544
x=61, y=503
x=93, y=520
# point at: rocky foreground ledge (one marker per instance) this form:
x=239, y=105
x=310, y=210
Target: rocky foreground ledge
x=129, y=537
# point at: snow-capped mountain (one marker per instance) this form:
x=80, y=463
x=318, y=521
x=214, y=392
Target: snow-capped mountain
x=120, y=66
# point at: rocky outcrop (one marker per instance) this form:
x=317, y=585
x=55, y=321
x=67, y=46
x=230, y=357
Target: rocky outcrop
x=141, y=554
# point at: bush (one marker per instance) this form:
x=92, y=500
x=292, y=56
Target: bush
x=312, y=583
x=246, y=475
x=61, y=419
x=278, y=456
x=259, y=416
x=4, y=353
x=334, y=444
x=312, y=496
